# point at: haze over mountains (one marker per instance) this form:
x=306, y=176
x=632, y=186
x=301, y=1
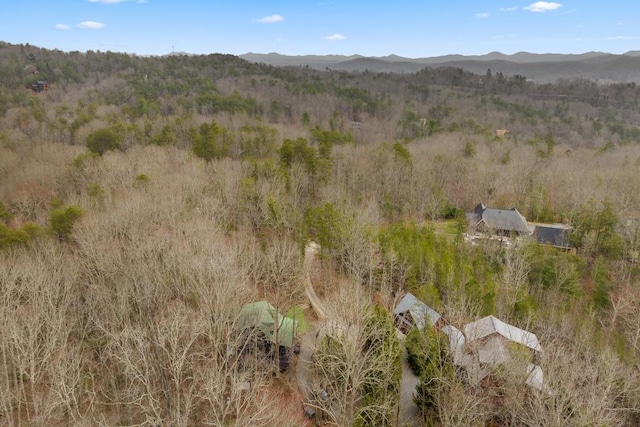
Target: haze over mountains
x=541, y=68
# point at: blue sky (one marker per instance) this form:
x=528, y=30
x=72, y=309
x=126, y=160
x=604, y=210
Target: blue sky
x=411, y=28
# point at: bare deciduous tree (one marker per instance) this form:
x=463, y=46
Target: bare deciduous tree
x=346, y=367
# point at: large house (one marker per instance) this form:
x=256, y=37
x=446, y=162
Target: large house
x=490, y=342
x=498, y=221
x=511, y=223
x=485, y=344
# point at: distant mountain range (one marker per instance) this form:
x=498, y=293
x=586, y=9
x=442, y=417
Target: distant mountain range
x=542, y=68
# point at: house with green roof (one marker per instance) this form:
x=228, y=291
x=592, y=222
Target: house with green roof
x=275, y=332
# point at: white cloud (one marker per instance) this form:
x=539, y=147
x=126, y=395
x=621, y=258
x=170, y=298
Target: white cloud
x=621, y=38
x=543, y=6
x=91, y=25
x=271, y=19
x=482, y=15
x=508, y=9
x=61, y=27
x=335, y=37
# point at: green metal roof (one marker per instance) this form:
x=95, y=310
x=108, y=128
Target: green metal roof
x=279, y=329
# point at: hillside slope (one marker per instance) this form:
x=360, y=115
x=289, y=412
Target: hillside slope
x=541, y=68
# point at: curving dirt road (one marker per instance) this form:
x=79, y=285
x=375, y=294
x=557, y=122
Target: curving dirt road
x=408, y=410
x=304, y=375
x=310, y=252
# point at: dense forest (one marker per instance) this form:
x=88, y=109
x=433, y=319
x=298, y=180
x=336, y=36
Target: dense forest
x=145, y=200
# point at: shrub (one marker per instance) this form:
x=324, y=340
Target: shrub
x=20, y=236
x=415, y=351
x=80, y=161
x=166, y=136
x=142, y=178
x=600, y=297
x=594, y=231
x=95, y=190
x=384, y=378
x=257, y=142
x=103, y=140
x=553, y=269
x=5, y=214
x=427, y=352
x=451, y=211
x=211, y=141
x=469, y=150
x=62, y=220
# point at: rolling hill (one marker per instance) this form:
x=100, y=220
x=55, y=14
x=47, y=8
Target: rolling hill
x=541, y=68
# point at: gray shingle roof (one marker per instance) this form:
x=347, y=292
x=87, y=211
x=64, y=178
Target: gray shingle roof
x=499, y=219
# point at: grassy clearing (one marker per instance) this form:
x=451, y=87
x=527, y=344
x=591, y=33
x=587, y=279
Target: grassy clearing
x=445, y=227
x=297, y=313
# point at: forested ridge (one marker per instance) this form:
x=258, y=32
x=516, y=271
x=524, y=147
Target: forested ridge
x=144, y=200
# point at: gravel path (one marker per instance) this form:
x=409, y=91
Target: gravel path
x=304, y=375
x=408, y=409
x=309, y=255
